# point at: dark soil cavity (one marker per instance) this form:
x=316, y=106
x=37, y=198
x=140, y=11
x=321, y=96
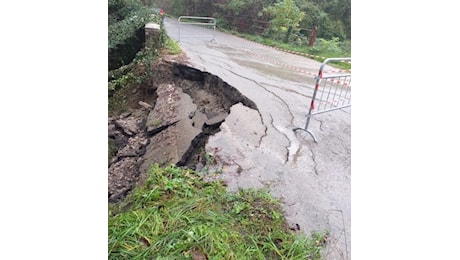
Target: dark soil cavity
x=207, y=89
x=167, y=122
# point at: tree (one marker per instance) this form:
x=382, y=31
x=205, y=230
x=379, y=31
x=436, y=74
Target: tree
x=286, y=17
x=335, y=17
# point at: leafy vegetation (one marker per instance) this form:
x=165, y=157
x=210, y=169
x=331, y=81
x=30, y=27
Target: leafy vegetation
x=286, y=24
x=332, y=17
x=172, y=46
x=286, y=18
x=136, y=73
x=126, y=35
x=176, y=215
x=130, y=62
x=321, y=50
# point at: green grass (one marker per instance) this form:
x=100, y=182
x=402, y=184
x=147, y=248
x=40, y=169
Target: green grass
x=176, y=215
x=322, y=49
x=172, y=46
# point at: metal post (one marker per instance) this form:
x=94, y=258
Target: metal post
x=214, y=32
x=312, y=106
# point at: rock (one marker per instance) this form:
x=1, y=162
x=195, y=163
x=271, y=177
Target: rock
x=125, y=114
x=131, y=124
x=171, y=115
x=168, y=146
x=145, y=105
x=215, y=118
x=175, y=141
x=122, y=176
x=128, y=127
x=112, y=130
x=135, y=147
x=171, y=106
x=199, y=119
x=117, y=135
x=170, y=130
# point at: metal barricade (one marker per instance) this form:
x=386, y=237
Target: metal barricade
x=195, y=20
x=332, y=92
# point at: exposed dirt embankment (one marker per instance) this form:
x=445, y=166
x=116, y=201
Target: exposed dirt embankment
x=167, y=122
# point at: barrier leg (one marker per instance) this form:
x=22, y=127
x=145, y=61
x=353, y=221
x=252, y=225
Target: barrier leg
x=306, y=129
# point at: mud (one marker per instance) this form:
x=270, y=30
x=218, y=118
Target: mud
x=166, y=122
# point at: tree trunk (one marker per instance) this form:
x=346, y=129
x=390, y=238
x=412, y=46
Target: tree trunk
x=288, y=33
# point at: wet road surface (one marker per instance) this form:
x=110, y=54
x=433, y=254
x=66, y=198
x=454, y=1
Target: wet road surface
x=257, y=149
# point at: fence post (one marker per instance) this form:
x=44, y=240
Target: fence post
x=152, y=35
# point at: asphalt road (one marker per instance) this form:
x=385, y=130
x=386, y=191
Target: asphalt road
x=260, y=149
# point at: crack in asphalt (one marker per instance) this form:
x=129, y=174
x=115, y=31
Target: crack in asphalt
x=199, y=54
x=289, y=141
x=202, y=60
x=271, y=92
x=289, y=90
x=315, y=163
x=261, y=117
x=296, y=155
x=157, y=130
x=266, y=129
x=266, y=89
x=291, y=120
x=295, y=150
x=345, y=147
x=282, y=101
x=320, y=125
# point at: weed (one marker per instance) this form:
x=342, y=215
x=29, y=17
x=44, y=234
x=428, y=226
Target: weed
x=172, y=46
x=210, y=159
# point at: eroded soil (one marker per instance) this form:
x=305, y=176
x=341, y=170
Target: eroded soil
x=167, y=121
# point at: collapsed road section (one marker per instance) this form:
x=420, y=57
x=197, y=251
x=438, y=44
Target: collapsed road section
x=187, y=107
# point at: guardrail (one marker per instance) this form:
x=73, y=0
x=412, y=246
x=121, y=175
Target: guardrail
x=332, y=92
x=196, y=20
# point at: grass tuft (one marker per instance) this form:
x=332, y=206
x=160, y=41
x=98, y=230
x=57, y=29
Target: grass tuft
x=176, y=215
x=172, y=46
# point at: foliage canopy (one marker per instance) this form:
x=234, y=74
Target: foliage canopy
x=332, y=17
